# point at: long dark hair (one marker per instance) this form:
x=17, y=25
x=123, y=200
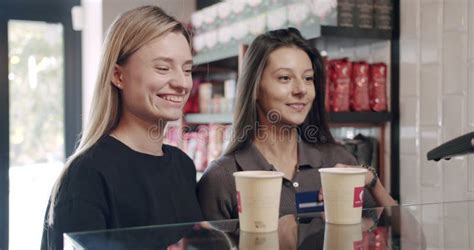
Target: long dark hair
x=315, y=128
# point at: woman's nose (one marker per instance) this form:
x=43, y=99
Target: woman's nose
x=300, y=88
x=180, y=80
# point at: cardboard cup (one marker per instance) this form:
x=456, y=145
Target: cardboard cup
x=341, y=237
x=343, y=191
x=258, y=200
x=258, y=241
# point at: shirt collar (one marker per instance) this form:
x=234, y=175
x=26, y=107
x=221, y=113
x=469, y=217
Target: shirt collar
x=250, y=158
x=309, y=155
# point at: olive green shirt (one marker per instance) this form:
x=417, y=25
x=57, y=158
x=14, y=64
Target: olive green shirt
x=216, y=188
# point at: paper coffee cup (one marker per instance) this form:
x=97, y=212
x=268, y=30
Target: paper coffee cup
x=343, y=191
x=342, y=237
x=258, y=241
x=258, y=200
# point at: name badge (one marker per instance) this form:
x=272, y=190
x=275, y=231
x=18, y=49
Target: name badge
x=307, y=202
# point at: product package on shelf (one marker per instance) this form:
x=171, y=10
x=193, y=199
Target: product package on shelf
x=383, y=14
x=229, y=94
x=192, y=105
x=360, y=86
x=364, y=13
x=378, y=87
x=224, y=25
x=195, y=146
x=205, y=97
x=340, y=77
x=226, y=139
x=206, y=144
x=217, y=96
x=345, y=13
x=328, y=90
x=216, y=138
x=355, y=86
x=172, y=136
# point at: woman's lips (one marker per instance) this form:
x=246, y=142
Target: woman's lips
x=176, y=99
x=172, y=99
x=297, y=106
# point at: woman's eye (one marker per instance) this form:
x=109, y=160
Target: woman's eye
x=160, y=68
x=309, y=78
x=284, y=78
x=188, y=71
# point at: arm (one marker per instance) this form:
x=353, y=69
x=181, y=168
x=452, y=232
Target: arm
x=216, y=193
x=378, y=192
x=81, y=205
x=376, y=196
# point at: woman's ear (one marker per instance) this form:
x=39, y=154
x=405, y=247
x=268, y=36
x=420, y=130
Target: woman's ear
x=117, y=76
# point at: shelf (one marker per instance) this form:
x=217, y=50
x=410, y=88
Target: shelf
x=208, y=118
x=223, y=56
x=362, y=33
x=227, y=56
x=359, y=117
x=334, y=117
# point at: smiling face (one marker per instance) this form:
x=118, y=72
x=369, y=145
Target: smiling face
x=286, y=87
x=156, y=79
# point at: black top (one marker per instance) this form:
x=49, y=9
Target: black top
x=113, y=186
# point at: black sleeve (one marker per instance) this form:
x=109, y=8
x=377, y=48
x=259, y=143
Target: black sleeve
x=72, y=216
x=82, y=205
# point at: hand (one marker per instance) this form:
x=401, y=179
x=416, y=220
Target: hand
x=368, y=176
x=288, y=232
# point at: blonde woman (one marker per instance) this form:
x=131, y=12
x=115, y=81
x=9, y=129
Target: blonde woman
x=122, y=175
x=280, y=125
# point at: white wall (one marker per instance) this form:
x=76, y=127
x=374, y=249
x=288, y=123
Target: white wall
x=99, y=14
x=436, y=97
x=91, y=50
x=436, y=105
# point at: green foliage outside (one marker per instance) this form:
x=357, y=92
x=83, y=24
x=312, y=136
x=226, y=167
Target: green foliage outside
x=36, y=74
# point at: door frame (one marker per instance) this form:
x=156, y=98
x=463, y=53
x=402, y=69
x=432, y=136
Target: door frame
x=56, y=11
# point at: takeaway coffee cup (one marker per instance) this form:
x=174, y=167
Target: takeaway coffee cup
x=342, y=237
x=258, y=200
x=343, y=190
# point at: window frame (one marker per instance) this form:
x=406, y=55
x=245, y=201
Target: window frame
x=56, y=11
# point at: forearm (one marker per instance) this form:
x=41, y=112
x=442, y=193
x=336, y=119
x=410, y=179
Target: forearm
x=381, y=196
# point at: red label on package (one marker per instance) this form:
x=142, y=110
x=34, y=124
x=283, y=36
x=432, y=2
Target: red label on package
x=358, y=196
x=239, y=206
x=358, y=245
x=328, y=91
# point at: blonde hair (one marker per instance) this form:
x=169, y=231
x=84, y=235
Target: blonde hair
x=128, y=33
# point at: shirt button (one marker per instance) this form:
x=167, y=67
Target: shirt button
x=296, y=184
